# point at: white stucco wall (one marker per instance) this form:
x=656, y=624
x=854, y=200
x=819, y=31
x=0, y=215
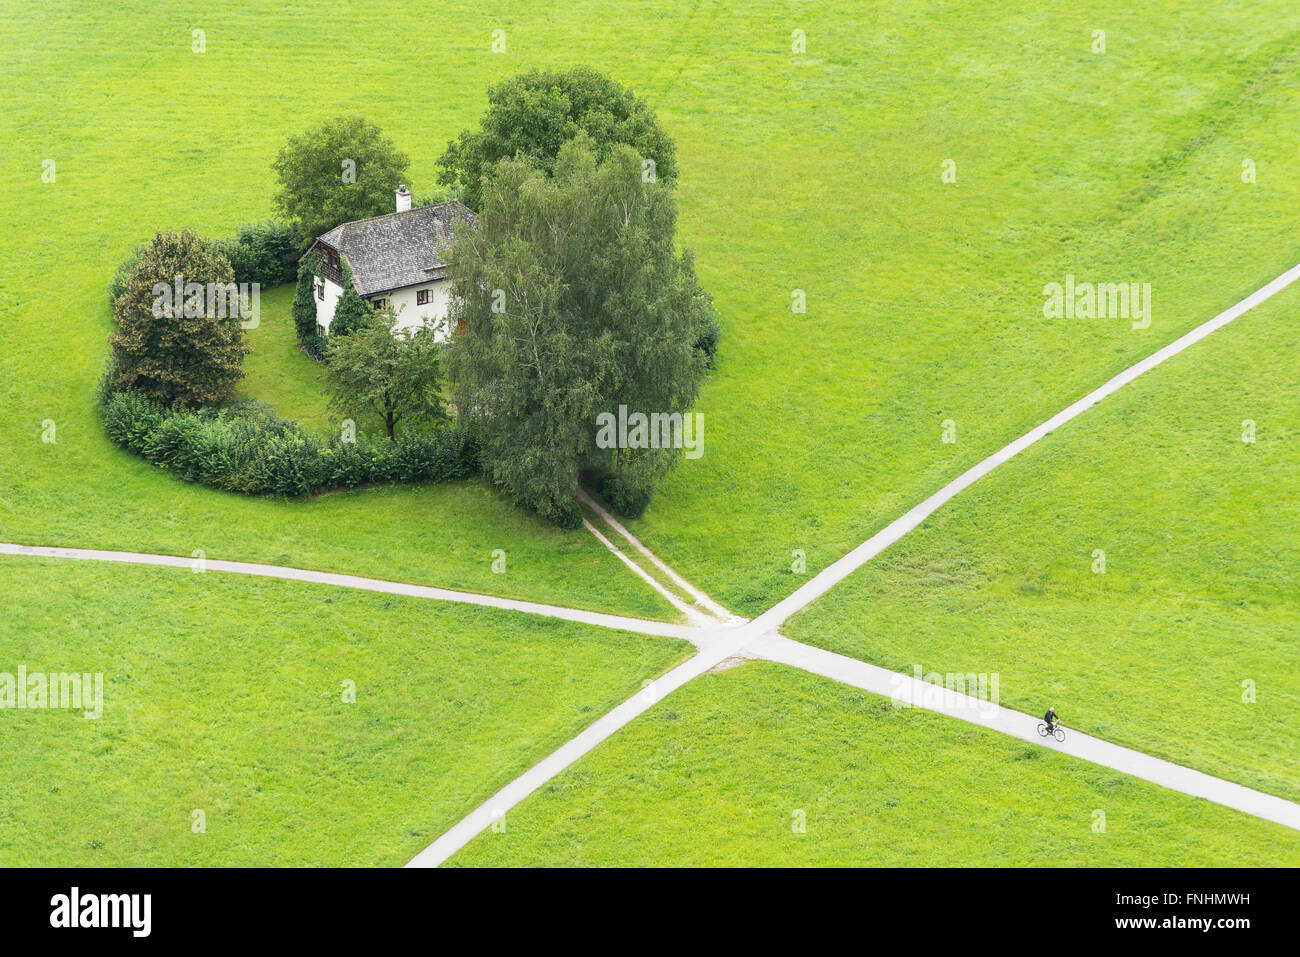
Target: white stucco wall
x=402, y=301
x=409, y=314
x=325, y=307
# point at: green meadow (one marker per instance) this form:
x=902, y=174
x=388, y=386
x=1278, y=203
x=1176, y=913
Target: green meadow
x=924, y=299
x=225, y=694
x=817, y=171
x=281, y=374
x=870, y=785
x=1184, y=644
x=810, y=178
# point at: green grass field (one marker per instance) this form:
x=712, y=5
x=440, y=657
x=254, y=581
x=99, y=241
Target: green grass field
x=1198, y=593
x=924, y=298
x=276, y=371
x=816, y=171
x=877, y=787
x=224, y=693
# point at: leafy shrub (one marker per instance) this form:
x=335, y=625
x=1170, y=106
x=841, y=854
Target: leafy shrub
x=288, y=462
x=564, y=512
x=121, y=275
x=348, y=464
x=351, y=312
x=707, y=341
x=304, y=299
x=629, y=498
x=177, y=443
x=630, y=494
x=265, y=253
x=318, y=347
x=444, y=454
x=131, y=418
x=107, y=382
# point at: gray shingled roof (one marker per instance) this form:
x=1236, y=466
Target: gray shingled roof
x=398, y=249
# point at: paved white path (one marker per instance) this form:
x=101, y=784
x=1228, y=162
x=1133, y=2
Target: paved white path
x=905, y=688
x=759, y=638
x=830, y=576
x=641, y=626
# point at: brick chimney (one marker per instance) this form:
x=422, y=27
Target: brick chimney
x=403, y=198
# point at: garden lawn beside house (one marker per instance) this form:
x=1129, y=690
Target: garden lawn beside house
x=277, y=371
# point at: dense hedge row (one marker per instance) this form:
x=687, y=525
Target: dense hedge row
x=245, y=447
x=265, y=253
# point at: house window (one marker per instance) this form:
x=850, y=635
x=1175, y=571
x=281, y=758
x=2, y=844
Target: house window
x=422, y=297
x=320, y=289
x=379, y=303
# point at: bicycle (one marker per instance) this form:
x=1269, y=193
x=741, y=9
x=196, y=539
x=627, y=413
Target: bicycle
x=1058, y=732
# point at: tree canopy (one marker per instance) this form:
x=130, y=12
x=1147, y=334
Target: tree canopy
x=343, y=170
x=180, y=346
x=534, y=114
x=392, y=373
x=573, y=301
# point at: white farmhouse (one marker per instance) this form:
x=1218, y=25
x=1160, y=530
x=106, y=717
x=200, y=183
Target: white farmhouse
x=396, y=259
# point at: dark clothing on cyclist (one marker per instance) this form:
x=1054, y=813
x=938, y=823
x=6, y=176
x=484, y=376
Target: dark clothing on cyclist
x=1050, y=719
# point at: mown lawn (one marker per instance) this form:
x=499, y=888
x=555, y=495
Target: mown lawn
x=924, y=299
x=872, y=785
x=279, y=373
x=1197, y=607
x=225, y=694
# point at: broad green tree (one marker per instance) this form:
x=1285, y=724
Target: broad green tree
x=182, y=346
x=573, y=301
x=534, y=114
x=394, y=374
x=344, y=169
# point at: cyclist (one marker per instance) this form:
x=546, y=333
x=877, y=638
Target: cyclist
x=1050, y=720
